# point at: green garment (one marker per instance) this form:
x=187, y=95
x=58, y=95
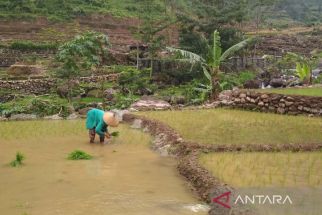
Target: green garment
x=95, y=120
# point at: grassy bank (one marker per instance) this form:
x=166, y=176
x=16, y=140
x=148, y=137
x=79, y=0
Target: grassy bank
x=265, y=169
x=314, y=91
x=221, y=126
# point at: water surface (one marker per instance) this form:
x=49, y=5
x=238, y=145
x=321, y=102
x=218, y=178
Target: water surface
x=125, y=176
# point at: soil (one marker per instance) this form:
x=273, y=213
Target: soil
x=280, y=44
x=205, y=185
x=119, y=30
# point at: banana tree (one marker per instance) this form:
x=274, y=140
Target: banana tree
x=215, y=58
x=304, y=65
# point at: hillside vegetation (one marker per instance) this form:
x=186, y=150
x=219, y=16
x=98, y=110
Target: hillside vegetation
x=308, y=11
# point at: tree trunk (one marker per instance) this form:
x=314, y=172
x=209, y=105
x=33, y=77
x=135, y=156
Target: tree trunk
x=137, y=56
x=215, y=83
x=69, y=95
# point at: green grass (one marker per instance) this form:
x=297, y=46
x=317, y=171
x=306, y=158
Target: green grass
x=3, y=73
x=29, y=45
x=265, y=169
x=314, y=91
x=89, y=100
x=224, y=126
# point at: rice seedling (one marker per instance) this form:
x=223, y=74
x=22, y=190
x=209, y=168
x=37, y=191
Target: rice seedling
x=18, y=161
x=235, y=127
x=115, y=134
x=79, y=155
x=265, y=169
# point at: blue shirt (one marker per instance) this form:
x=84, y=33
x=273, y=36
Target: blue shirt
x=95, y=120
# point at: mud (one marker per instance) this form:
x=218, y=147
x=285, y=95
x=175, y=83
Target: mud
x=124, y=177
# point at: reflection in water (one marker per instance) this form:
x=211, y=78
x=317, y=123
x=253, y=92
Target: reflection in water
x=125, y=176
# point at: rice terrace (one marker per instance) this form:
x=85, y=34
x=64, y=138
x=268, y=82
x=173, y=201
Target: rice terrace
x=160, y=107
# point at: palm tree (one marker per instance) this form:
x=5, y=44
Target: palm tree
x=215, y=57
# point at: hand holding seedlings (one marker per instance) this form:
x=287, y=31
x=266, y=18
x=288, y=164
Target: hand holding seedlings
x=108, y=135
x=113, y=134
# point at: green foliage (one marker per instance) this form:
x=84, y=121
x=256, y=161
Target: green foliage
x=133, y=81
x=215, y=53
x=229, y=81
x=304, y=64
x=245, y=76
x=211, y=66
x=18, y=161
x=31, y=46
x=60, y=10
x=85, y=52
x=41, y=105
x=202, y=15
x=318, y=80
x=123, y=101
x=303, y=71
x=82, y=53
x=16, y=106
x=49, y=106
x=79, y=155
x=193, y=92
x=149, y=30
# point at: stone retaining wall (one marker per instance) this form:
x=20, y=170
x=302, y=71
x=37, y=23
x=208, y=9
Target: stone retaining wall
x=271, y=102
x=9, y=56
x=44, y=85
x=35, y=86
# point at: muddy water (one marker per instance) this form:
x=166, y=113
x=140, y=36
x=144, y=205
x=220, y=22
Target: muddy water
x=125, y=176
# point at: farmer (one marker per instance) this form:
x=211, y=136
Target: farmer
x=97, y=122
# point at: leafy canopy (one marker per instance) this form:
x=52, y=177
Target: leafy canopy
x=84, y=52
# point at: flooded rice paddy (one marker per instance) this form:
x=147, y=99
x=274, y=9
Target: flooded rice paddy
x=125, y=176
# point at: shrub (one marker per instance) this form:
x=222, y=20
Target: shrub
x=228, y=81
x=123, y=101
x=318, y=80
x=191, y=92
x=245, y=76
x=42, y=106
x=49, y=106
x=79, y=155
x=135, y=81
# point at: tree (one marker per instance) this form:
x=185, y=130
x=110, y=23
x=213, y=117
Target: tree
x=84, y=52
x=151, y=26
x=258, y=10
x=200, y=18
x=215, y=57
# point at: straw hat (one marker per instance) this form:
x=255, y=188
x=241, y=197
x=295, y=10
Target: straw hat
x=110, y=119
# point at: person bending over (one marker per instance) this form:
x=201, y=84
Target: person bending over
x=97, y=122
